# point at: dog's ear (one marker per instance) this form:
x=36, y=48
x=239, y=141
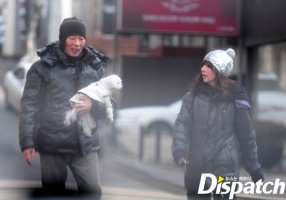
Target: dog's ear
x=114, y=81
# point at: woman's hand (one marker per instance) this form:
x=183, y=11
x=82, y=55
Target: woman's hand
x=182, y=161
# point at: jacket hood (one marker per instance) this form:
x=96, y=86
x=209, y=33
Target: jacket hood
x=236, y=93
x=52, y=54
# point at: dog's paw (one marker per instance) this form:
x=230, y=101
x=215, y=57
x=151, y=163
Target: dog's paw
x=70, y=117
x=67, y=122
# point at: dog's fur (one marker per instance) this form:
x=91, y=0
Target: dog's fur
x=99, y=91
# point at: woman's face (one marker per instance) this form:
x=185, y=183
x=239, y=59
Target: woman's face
x=74, y=45
x=208, y=75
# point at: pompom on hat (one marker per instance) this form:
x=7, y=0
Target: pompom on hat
x=71, y=26
x=221, y=60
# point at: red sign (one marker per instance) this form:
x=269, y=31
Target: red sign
x=217, y=17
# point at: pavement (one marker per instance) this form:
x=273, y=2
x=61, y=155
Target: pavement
x=22, y=192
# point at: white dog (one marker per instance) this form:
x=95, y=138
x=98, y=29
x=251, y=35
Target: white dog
x=99, y=91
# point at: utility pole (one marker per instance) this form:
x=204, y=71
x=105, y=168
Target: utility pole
x=35, y=14
x=9, y=46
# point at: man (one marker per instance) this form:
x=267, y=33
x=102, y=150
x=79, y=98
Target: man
x=65, y=66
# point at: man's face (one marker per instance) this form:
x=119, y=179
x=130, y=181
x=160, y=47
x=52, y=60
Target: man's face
x=74, y=45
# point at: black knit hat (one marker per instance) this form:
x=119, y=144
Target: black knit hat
x=71, y=26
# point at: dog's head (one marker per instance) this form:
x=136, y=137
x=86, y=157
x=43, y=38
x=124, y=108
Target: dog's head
x=114, y=82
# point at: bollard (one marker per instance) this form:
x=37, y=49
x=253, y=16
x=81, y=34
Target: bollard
x=141, y=143
x=158, y=146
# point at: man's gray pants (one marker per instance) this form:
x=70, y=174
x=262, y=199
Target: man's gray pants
x=85, y=169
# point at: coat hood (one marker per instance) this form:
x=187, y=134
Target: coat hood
x=51, y=54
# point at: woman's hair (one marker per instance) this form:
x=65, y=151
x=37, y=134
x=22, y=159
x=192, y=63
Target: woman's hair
x=221, y=82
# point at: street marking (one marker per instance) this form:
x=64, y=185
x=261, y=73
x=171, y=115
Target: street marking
x=141, y=193
x=19, y=184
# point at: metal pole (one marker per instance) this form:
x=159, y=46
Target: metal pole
x=141, y=143
x=158, y=146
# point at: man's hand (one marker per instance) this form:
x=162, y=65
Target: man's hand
x=84, y=106
x=28, y=155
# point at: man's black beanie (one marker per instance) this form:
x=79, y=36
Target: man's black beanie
x=71, y=26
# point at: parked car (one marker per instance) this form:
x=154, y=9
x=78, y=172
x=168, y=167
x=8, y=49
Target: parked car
x=15, y=79
x=271, y=99
x=269, y=119
x=149, y=118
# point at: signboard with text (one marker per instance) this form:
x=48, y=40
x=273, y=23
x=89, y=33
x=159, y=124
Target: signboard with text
x=217, y=17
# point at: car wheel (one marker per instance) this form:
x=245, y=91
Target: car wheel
x=160, y=127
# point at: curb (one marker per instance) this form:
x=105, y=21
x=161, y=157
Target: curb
x=258, y=197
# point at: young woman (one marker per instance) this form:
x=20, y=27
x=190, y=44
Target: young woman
x=213, y=131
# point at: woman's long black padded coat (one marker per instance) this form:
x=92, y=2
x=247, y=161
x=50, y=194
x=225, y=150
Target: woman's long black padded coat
x=50, y=83
x=214, y=136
